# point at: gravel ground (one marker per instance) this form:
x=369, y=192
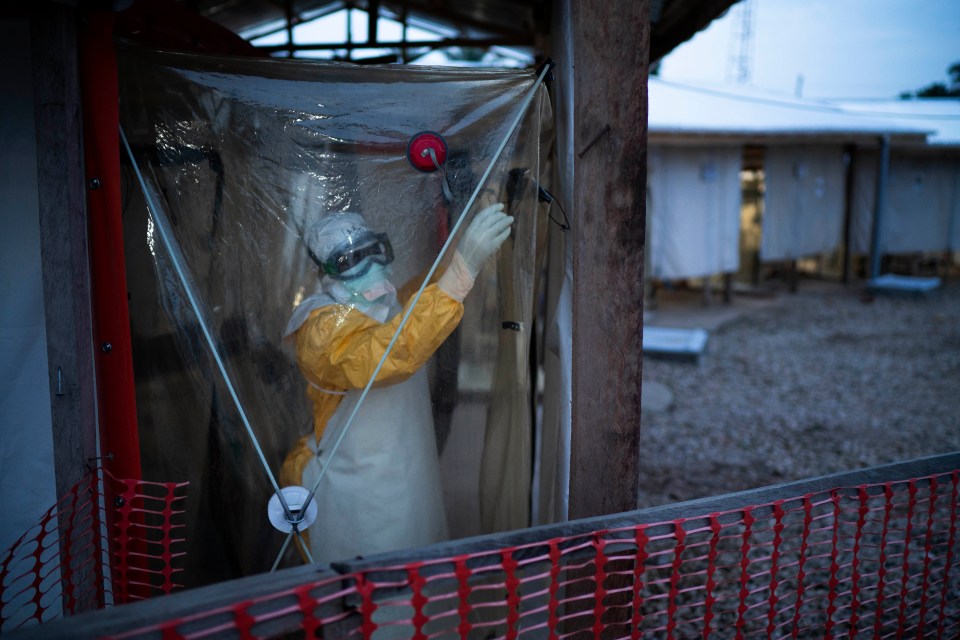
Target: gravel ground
x=824, y=381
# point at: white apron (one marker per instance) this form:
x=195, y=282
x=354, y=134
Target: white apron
x=382, y=490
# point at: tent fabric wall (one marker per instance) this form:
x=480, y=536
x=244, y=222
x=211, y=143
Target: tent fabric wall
x=694, y=200
x=923, y=203
x=27, y=486
x=803, y=209
x=955, y=224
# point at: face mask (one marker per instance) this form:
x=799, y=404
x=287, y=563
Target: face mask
x=372, y=285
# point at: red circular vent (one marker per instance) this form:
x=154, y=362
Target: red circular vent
x=418, y=150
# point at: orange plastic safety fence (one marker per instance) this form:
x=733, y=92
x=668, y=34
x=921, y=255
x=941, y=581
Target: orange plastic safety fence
x=63, y=564
x=874, y=560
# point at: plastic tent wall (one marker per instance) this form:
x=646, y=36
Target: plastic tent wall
x=923, y=202
x=239, y=156
x=803, y=212
x=693, y=196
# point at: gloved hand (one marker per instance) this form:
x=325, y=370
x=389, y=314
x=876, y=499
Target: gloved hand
x=484, y=236
x=481, y=240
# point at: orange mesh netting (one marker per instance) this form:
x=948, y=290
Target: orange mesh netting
x=62, y=565
x=870, y=560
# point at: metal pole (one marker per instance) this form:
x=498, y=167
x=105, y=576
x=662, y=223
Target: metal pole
x=288, y=9
x=403, y=38
x=349, y=31
x=373, y=19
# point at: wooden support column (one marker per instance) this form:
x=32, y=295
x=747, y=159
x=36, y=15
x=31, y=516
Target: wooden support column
x=63, y=237
x=609, y=45
x=66, y=268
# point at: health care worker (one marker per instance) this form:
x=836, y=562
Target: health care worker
x=382, y=490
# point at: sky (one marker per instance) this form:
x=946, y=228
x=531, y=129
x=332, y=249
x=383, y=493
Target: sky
x=842, y=48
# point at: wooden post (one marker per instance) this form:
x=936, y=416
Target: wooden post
x=63, y=237
x=609, y=49
x=66, y=267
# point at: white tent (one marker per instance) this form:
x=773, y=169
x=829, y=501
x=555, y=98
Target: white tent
x=696, y=134
x=803, y=214
x=678, y=110
x=693, y=198
x=922, y=212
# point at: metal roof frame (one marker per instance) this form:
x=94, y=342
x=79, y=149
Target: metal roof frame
x=478, y=23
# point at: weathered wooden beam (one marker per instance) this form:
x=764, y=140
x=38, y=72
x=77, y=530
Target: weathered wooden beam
x=64, y=256
x=63, y=237
x=697, y=508
x=609, y=43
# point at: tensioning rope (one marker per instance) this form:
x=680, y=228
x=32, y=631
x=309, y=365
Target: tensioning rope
x=436, y=263
x=169, y=242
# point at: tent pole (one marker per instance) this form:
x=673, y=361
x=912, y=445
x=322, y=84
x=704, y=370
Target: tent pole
x=116, y=400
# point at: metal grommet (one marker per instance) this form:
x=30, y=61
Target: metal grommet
x=295, y=498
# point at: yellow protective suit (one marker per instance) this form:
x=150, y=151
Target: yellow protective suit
x=338, y=347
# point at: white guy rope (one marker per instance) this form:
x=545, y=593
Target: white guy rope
x=170, y=243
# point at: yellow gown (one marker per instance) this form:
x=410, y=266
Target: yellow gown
x=391, y=441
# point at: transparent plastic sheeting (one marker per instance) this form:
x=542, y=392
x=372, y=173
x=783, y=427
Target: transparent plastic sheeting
x=241, y=156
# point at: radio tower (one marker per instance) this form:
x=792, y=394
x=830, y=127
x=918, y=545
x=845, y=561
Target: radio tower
x=740, y=59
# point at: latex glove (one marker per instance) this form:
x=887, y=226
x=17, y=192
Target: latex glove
x=484, y=236
x=480, y=241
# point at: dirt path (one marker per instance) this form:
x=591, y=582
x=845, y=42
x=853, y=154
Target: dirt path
x=821, y=383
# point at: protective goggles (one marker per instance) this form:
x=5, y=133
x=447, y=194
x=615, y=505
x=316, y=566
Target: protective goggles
x=354, y=258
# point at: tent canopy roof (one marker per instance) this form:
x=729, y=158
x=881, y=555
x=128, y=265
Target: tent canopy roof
x=941, y=115
x=742, y=112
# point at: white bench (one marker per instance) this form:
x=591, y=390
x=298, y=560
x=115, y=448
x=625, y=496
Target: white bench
x=673, y=342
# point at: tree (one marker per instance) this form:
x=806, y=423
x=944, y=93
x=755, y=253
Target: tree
x=939, y=89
